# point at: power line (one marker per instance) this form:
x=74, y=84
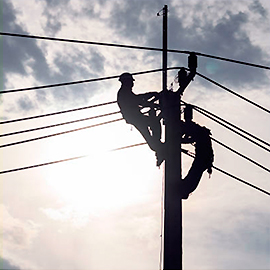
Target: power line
x=59, y=124
x=230, y=124
x=230, y=60
x=41, y=164
x=241, y=180
x=79, y=82
x=56, y=125
x=234, y=177
x=56, y=85
x=126, y=147
x=133, y=47
x=64, y=160
x=231, y=129
x=60, y=133
x=213, y=116
x=88, y=118
x=84, y=42
x=56, y=113
x=129, y=146
x=239, y=154
x=232, y=92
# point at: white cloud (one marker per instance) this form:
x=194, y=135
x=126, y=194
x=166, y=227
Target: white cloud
x=17, y=237
x=16, y=233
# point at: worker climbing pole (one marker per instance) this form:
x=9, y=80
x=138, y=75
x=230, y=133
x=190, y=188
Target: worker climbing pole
x=165, y=106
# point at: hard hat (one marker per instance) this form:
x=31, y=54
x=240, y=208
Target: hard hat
x=125, y=76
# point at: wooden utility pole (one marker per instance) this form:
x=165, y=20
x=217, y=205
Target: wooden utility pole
x=165, y=47
x=172, y=258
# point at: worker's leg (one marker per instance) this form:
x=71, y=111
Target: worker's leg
x=154, y=124
x=151, y=141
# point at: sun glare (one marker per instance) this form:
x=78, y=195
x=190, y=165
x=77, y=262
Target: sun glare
x=103, y=181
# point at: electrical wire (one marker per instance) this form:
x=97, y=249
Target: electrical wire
x=59, y=124
x=56, y=113
x=98, y=116
x=234, y=93
x=60, y=133
x=126, y=147
x=82, y=41
x=132, y=47
x=129, y=146
x=230, y=124
x=57, y=85
x=241, y=180
x=56, y=125
x=231, y=129
x=80, y=81
x=230, y=60
x=239, y=154
x=213, y=116
x=66, y=159
x=41, y=164
x=234, y=177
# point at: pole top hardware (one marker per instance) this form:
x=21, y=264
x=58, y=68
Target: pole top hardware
x=183, y=77
x=162, y=10
x=192, y=61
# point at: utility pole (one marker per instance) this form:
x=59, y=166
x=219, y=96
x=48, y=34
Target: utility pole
x=172, y=258
x=165, y=47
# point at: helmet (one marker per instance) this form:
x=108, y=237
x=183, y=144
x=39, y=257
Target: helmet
x=125, y=76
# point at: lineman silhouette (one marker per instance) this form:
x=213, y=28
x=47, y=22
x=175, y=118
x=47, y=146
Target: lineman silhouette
x=148, y=123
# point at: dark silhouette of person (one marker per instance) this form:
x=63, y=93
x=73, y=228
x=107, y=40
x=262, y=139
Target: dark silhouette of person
x=148, y=123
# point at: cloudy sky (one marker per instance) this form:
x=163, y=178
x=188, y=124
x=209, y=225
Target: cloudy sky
x=105, y=211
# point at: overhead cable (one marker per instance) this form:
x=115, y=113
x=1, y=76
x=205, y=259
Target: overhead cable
x=231, y=129
x=229, y=60
x=80, y=81
x=132, y=47
x=60, y=133
x=239, y=154
x=241, y=180
x=234, y=177
x=56, y=125
x=230, y=124
x=64, y=160
x=56, y=113
x=234, y=93
x=41, y=164
x=129, y=146
x=126, y=147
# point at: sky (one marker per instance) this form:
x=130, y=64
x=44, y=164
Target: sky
x=105, y=211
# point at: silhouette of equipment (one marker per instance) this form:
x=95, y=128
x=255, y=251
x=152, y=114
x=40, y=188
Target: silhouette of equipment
x=183, y=78
x=204, y=155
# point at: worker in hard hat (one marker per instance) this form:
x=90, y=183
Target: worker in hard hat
x=148, y=124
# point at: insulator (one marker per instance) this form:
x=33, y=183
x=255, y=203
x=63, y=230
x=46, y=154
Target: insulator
x=192, y=61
